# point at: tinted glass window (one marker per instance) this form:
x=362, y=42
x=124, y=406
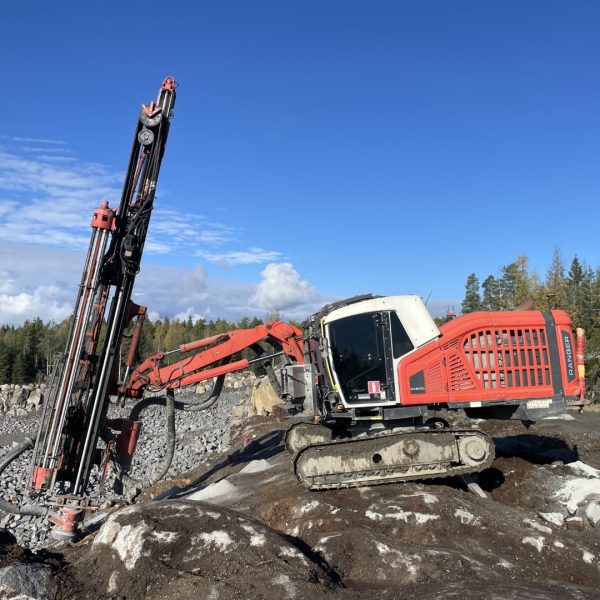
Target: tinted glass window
x=358, y=354
x=401, y=343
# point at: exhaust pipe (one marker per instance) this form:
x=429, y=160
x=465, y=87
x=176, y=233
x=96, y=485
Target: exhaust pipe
x=581, y=365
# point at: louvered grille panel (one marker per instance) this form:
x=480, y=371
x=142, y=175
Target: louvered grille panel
x=433, y=379
x=509, y=358
x=458, y=375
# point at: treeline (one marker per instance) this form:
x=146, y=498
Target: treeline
x=575, y=288
x=27, y=351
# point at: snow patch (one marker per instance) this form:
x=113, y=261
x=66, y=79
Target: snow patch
x=466, y=518
x=399, y=559
x=576, y=491
x=214, y=490
x=129, y=543
x=290, y=552
x=536, y=542
x=112, y=582
x=558, y=544
x=504, y=564
x=165, y=536
x=563, y=417
x=427, y=497
x=326, y=538
x=288, y=586
x=592, y=512
x=308, y=507
x=582, y=469
x=256, y=466
x=256, y=539
x=401, y=515
x=220, y=539
x=588, y=557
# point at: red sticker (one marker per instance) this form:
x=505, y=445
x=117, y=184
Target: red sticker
x=374, y=387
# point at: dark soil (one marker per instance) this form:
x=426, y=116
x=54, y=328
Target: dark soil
x=269, y=538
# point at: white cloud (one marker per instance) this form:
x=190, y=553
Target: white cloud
x=49, y=199
x=282, y=288
x=253, y=256
x=190, y=313
x=47, y=150
x=45, y=302
x=30, y=140
x=216, y=237
x=37, y=281
x=47, y=202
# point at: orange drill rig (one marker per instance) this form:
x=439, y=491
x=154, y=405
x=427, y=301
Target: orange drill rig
x=372, y=377
x=375, y=377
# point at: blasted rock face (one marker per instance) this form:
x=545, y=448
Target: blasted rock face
x=183, y=549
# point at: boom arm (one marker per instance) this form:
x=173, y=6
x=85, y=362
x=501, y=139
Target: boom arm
x=212, y=357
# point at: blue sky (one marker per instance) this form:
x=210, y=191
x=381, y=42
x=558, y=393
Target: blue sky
x=319, y=149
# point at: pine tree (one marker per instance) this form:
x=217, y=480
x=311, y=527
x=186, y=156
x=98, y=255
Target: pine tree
x=490, y=293
x=18, y=370
x=472, y=300
x=513, y=287
x=574, y=291
x=556, y=285
x=6, y=362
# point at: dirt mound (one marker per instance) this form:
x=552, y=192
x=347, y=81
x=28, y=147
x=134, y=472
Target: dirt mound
x=243, y=527
x=184, y=549
x=437, y=538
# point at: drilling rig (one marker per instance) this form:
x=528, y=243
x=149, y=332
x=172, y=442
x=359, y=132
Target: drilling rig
x=84, y=376
x=372, y=378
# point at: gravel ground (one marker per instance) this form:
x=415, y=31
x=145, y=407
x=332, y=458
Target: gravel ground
x=198, y=435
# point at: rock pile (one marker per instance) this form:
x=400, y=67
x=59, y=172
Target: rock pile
x=199, y=434
x=21, y=399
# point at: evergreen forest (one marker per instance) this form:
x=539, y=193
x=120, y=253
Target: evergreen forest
x=27, y=351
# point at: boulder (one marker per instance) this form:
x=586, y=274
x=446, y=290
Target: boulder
x=18, y=396
x=27, y=581
x=138, y=550
x=264, y=398
x=35, y=398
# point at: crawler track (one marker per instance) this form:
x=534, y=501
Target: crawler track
x=393, y=457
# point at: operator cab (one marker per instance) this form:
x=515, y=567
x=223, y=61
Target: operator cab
x=365, y=341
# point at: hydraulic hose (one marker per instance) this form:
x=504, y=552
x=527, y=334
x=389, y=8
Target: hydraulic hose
x=171, y=405
x=26, y=444
x=9, y=507
x=206, y=404
x=161, y=471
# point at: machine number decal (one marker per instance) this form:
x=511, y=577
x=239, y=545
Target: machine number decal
x=539, y=403
x=417, y=383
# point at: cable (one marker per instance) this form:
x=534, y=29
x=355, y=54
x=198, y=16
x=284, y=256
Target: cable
x=9, y=507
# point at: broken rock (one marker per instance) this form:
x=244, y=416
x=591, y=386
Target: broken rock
x=575, y=523
x=592, y=512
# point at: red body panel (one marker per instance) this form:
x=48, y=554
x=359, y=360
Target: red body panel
x=492, y=356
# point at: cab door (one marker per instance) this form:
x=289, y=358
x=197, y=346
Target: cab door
x=361, y=358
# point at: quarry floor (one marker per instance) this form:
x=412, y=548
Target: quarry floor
x=241, y=526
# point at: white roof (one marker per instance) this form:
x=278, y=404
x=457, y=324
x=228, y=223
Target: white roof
x=411, y=310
